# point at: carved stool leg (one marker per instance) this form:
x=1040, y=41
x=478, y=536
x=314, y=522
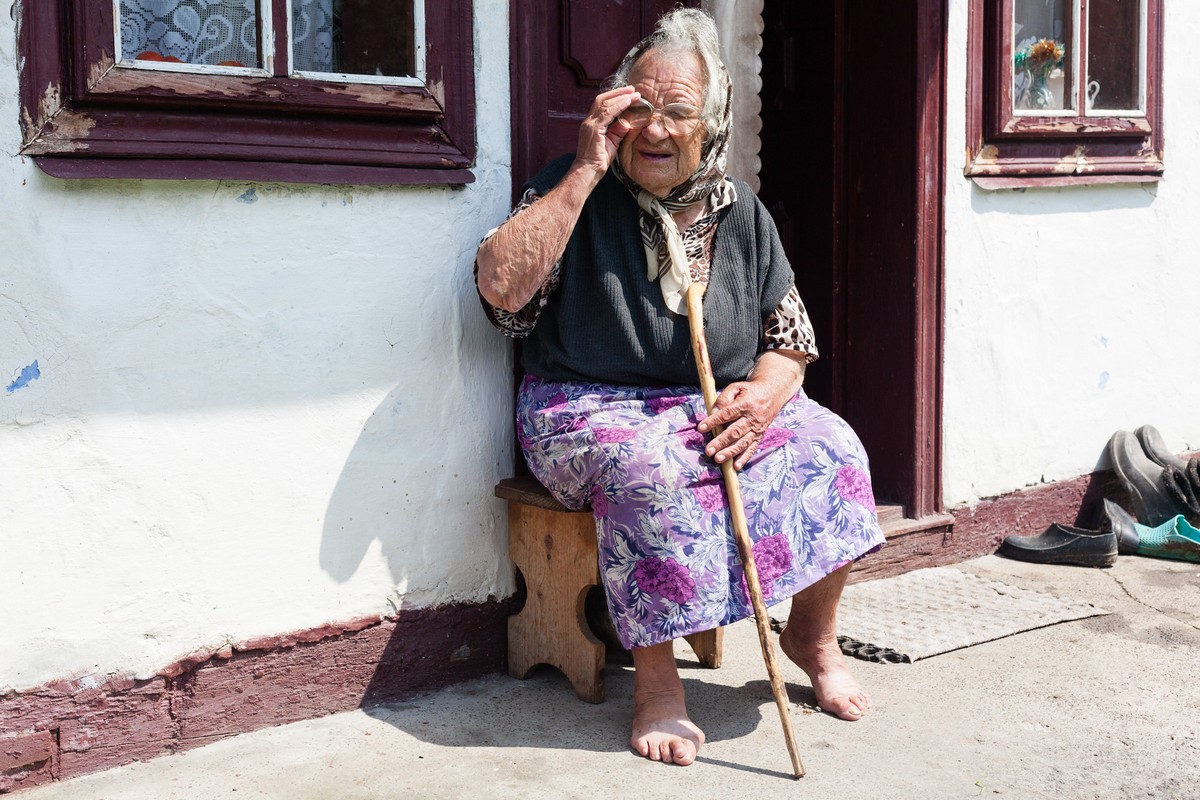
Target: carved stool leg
x=708, y=645
x=556, y=552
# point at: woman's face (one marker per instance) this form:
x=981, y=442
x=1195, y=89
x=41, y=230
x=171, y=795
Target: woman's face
x=653, y=158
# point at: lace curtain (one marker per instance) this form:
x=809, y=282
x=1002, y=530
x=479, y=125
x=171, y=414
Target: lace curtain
x=222, y=32
x=313, y=23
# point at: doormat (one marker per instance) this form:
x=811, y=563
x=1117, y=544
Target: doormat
x=932, y=611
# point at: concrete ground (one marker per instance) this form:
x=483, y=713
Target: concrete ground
x=1107, y=707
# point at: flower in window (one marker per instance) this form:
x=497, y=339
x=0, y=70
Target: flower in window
x=1039, y=59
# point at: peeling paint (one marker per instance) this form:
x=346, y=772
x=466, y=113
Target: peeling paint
x=29, y=130
x=248, y=196
x=437, y=88
x=71, y=125
x=34, y=120
x=99, y=69
x=985, y=163
x=56, y=128
x=50, y=104
x=119, y=81
x=27, y=376
x=395, y=97
x=1075, y=163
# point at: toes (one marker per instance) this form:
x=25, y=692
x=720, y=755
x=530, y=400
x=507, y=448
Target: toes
x=850, y=708
x=849, y=711
x=667, y=749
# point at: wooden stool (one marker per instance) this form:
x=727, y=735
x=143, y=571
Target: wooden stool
x=555, y=549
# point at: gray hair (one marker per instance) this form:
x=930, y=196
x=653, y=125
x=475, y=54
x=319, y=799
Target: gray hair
x=685, y=30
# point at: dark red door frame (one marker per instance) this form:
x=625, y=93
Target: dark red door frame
x=890, y=264
x=853, y=171
x=930, y=254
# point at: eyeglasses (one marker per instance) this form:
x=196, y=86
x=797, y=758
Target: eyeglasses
x=679, y=119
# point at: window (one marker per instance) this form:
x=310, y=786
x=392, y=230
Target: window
x=347, y=91
x=1064, y=91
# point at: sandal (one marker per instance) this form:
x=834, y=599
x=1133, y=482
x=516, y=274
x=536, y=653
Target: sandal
x=1175, y=539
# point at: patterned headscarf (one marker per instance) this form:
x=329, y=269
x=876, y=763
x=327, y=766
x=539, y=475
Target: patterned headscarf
x=655, y=220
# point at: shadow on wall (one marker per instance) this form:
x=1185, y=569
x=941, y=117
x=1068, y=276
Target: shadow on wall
x=371, y=498
x=385, y=493
x=1063, y=199
x=429, y=528
x=374, y=496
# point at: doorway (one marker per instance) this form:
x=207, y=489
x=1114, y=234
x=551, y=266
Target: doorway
x=852, y=171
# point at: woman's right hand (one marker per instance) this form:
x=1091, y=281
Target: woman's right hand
x=602, y=130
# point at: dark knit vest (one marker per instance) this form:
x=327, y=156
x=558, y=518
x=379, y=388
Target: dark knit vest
x=607, y=323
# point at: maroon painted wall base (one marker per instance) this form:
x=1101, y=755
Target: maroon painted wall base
x=978, y=531
x=72, y=727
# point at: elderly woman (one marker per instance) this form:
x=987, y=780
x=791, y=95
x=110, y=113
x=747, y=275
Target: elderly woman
x=591, y=269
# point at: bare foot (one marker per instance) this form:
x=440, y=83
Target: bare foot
x=662, y=730
x=837, y=691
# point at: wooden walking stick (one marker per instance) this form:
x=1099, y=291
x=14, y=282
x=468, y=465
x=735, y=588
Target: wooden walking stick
x=741, y=529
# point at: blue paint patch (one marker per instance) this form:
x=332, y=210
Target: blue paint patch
x=1104, y=341
x=248, y=196
x=28, y=374
x=1103, y=380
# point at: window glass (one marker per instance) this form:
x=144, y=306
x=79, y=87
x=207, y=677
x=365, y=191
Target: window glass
x=375, y=38
x=1042, y=47
x=1115, y=58
x=214, y=32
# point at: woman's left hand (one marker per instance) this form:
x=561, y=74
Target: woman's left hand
x=747, y=408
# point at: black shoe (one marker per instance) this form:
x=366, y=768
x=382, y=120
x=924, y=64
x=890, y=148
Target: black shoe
x=1121, y=524
x=1153, y=446
x=1063, y=544
x=1143, y=479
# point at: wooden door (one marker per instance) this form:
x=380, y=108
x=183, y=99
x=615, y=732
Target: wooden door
x=562, y=51
x=852, y=172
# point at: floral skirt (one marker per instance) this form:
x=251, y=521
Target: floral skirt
x=668, y=558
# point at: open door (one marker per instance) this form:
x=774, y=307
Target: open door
x=852, y=155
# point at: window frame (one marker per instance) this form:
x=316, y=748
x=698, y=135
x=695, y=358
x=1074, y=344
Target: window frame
x=1009, y=149
x=83, y=115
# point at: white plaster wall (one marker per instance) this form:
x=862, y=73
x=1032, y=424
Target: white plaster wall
x=261, y=407
x=1070, y=313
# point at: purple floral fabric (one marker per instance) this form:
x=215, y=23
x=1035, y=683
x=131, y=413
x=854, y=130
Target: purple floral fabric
x=666, y=577
x=668, y=559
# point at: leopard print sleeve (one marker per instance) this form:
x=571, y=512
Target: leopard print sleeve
x=519, y=324
x=789, y=328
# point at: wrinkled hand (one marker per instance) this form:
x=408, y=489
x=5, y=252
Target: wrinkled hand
x=746, y=409
x=601, y=131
